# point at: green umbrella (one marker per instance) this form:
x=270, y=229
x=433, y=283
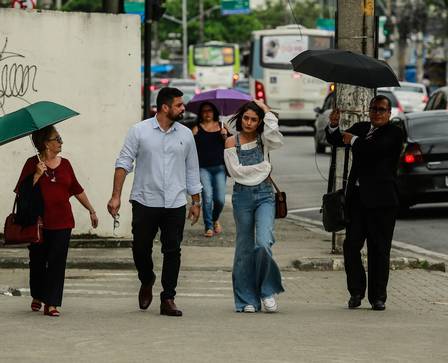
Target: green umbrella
x=31, y=118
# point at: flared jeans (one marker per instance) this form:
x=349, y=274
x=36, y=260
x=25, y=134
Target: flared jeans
x=255, y=273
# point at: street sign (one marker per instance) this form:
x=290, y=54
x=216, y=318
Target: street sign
x=230, y=7
x=23, y=4
x=381, y=30
x=135, y=7
x=325, y=24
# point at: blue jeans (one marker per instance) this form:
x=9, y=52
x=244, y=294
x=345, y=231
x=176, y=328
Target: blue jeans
x=213, y=180
x=255, y=273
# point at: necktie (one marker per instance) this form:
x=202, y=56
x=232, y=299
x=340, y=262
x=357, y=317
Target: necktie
x=370, y=133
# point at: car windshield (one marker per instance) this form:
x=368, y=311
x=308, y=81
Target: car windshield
x=414, y=89
x=428, y=127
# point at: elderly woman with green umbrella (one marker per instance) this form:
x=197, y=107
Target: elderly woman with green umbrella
x=49, y=181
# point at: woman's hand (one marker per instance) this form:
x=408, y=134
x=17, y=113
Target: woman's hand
x=93, y=219
x=262, y=105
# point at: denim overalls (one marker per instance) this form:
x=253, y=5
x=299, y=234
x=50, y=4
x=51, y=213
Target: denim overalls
x=255, y=273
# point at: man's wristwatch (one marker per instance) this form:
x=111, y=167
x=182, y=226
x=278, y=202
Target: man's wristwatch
x=193, y=202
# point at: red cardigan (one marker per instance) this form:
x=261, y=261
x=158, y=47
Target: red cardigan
x=57, y=209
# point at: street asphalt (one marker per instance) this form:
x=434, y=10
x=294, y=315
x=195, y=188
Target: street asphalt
x=101, y=322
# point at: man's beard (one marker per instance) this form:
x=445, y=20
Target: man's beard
x=173, y=117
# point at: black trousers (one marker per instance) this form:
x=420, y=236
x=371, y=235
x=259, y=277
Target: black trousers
x=47, y=266
x=377, y=226
x=146, y=221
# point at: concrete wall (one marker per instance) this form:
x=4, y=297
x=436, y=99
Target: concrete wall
x=90, y=63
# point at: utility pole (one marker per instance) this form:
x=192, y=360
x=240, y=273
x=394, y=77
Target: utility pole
x=185, y=38
x=355, y=31
x=147, y=61
x=201, y=21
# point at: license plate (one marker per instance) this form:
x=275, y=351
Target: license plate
x=296, y=105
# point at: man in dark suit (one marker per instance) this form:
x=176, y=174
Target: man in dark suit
x=372, y=199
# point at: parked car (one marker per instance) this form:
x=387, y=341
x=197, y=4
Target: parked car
x=323, y=114
x=412, y=96
x=438, y=100
x=423, y=166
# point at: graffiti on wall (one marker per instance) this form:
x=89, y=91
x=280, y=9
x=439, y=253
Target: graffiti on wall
x=17, y=80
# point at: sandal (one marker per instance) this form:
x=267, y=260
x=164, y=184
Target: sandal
x=208, y=233
x=36, y=305
x=53, y=312
x=217, y=227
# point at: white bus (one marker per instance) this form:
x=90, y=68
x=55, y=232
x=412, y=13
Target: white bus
x=294, y=96
x=214, y=64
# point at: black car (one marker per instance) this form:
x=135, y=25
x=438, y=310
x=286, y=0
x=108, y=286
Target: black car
x=423, y=166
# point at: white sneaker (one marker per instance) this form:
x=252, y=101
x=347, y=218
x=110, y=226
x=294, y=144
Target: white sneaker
x=269, y=304
x=249, y=309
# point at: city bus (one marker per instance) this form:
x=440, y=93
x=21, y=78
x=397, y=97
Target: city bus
x=294, y=96
x=214, y=64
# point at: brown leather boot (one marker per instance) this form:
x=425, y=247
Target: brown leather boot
x=145, y=296
x=168, y=307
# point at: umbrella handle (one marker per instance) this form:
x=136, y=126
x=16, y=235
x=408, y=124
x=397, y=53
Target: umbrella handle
x=37, y=152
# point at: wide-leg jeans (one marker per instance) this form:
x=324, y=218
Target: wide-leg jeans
x=255, y=273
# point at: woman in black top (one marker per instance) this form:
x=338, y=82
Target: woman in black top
x=210, y=137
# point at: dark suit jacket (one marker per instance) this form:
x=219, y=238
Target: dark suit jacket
x=375, y=162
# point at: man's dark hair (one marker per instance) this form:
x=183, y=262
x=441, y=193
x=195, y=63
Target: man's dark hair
x=381, y=98
x=167, y=95
x=40, y=137
x=238, y=117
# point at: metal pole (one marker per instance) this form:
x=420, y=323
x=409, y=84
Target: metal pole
x=201, y=21
x=147, y=62
x=58, y=4
x=185, y=37
x=355, y=32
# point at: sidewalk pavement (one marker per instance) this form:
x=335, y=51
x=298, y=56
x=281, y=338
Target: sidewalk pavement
x=300, y=245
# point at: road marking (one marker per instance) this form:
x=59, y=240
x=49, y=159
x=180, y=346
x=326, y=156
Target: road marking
x=303, y=210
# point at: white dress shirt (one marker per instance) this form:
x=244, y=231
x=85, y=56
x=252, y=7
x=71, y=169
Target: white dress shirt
x=166, y=164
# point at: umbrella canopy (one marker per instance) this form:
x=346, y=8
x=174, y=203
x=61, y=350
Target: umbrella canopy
x=32, y=118
x=343, y=66
x=227, y=101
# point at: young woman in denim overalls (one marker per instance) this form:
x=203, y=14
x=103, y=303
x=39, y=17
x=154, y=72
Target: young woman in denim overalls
x=256, y=277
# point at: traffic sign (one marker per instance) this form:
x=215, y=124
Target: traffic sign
x=230, y=7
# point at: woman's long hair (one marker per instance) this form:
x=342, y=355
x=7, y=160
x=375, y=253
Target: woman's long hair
x=215, y=112
x=238, y=117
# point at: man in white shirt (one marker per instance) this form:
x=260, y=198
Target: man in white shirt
x=167, y=169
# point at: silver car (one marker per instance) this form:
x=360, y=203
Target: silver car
x=412, y=96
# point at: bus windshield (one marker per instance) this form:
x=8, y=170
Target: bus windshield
x=207, y=56
x=278, y=50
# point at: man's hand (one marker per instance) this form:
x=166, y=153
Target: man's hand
x=193, y=213
x=334, y=117
x=347, y=138
x=113, y=206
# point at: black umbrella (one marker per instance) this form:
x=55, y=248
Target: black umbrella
x=343, y=66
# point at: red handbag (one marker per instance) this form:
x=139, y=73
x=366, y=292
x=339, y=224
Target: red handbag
x=15, y=234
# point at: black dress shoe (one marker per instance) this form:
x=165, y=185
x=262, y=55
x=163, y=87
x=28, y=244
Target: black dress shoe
x=354, y=302
x=378, y=305
x=145, y=296
x=168, y=307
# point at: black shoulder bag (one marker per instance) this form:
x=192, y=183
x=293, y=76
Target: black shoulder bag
x=334, y=213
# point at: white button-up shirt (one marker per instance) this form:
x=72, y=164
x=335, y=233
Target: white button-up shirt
x=166, y=164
